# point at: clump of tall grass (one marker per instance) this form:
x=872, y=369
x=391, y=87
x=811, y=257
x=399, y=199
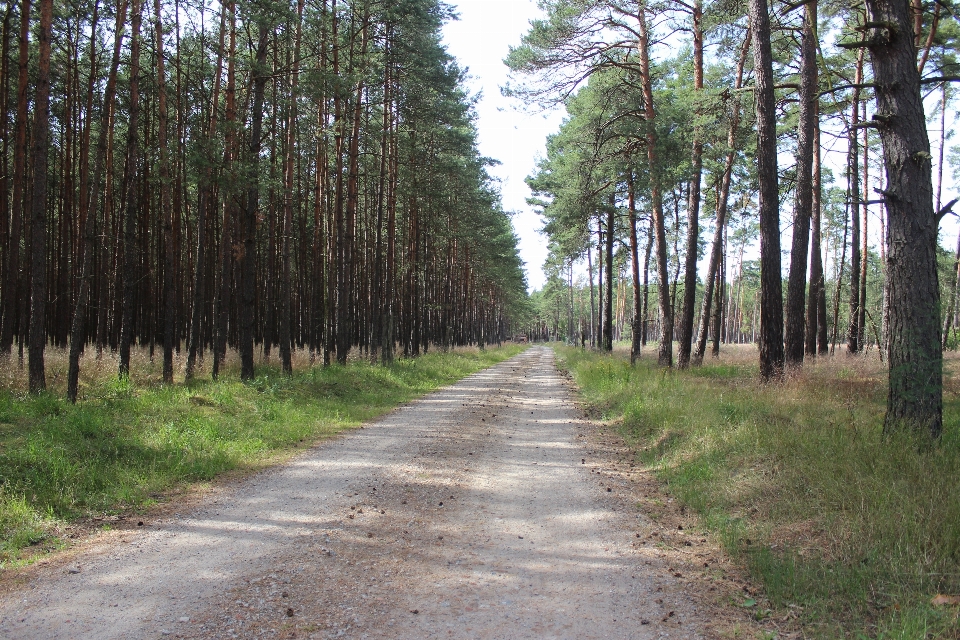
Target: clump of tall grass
x=130, y=440
x=856, y=529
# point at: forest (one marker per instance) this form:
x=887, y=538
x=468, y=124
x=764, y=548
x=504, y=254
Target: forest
x=693, y=129
x=262, y=177
x=206, y=208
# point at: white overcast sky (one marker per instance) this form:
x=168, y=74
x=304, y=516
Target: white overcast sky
x=480, y=40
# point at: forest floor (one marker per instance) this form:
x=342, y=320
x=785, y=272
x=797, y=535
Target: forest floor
x=490, y=509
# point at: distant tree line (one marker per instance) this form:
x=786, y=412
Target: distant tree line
x=193, y=176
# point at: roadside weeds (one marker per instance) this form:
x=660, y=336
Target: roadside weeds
x=132, y=451
x=846, y=534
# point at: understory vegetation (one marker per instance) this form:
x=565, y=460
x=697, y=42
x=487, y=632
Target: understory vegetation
x=133, y=441
x=854, y=532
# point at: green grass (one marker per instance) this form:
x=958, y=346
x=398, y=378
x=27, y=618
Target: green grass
x=126, y=444
x=855, y=530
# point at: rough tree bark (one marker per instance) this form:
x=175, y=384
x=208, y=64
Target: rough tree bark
x=131, y=195
x=41, y=148
x=685, y=328
x=771, y=287
x=608, y=309
x=637, y=344
x=816, y=332
x=716, y=252
x=13, y=278
x=796, y=285
x=853, y=175
x=285, y=310
x=915, y=357
x=7, y=245
x=205, y=203
x=225, y=259
x=166, y=207
x=78, y=330
x=251, y=207
x=665, y=354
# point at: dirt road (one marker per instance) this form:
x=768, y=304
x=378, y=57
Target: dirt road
x=472, y=513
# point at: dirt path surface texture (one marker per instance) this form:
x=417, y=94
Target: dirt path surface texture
x=471, y=513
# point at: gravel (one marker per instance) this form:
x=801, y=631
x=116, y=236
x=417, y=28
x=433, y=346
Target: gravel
x=471, y=513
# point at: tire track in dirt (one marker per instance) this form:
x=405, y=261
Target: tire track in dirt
x=467, y=514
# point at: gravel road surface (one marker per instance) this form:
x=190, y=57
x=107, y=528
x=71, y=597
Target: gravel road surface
x=471, y=513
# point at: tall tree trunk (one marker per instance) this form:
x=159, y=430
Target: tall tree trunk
x=665, y=354
x=930, y=37
x=169, y=250
x=351, y=250
x=646, y=284
x=130, y=277
x=796, y=285
x=839, y=280
x=377, y=307
x=771, y=287
x=341, y=333
x=723, y=198
x=285, y=310
x=816, y=333
x=7, y=244
x=248, y=231
x=79, y=329
x=685, y=328
x=915, y=358
x=637, y=333
x=41, y=148
x=862, y=303
x=853, y=175
x=15, y=281
x=593, y=304
x=601, y=307
x=718, y=304
x=608, y=313
x=221, y=308
x=389, y=294
x=951, y=311
x=205, y=204
x=949, y=318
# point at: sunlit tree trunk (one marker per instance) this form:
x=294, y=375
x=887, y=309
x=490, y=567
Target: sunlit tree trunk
x=853, y=175
x=796, y=286
x=685, y=328
x=723, y=198
x=665, y=354
x=915, y=357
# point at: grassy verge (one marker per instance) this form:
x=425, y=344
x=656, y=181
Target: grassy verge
x=852, y=532
x=127, y=443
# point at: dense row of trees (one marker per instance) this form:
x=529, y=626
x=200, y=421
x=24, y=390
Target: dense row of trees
x=249, y=175
x=680, y=111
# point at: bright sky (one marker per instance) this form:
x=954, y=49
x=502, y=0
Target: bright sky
x=480, y=40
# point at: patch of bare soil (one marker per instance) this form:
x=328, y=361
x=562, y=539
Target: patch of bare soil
x=490, y=509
